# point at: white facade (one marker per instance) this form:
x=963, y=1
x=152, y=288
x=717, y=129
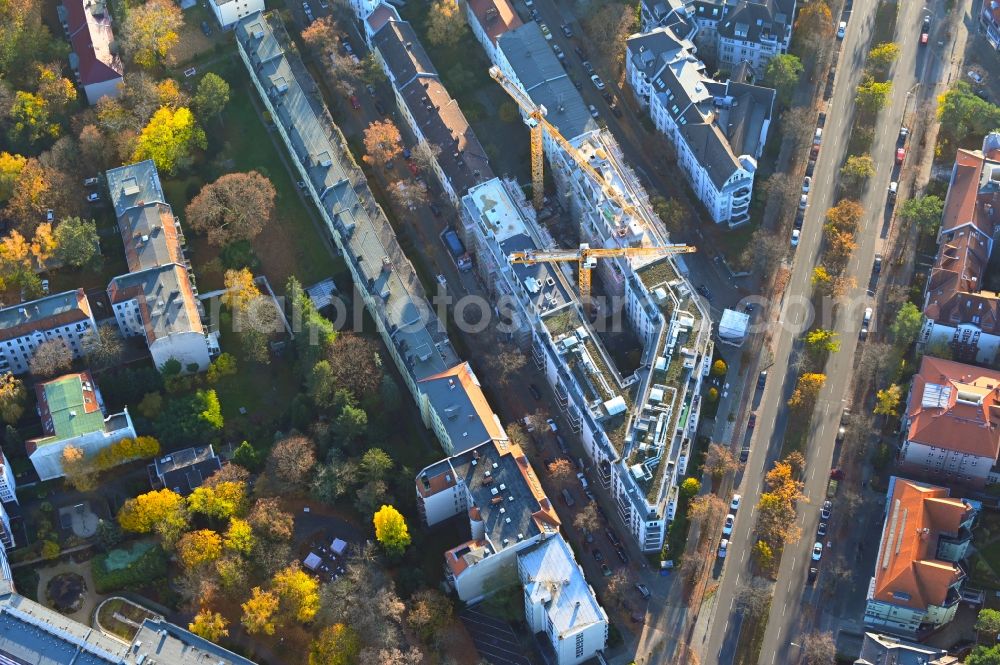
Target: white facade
x=47, y=458
x=946, y=466
x=8, y=486
x=228, y=12
x=6, y=535
x=111, y=88
x=965, y=335
x=64, y=316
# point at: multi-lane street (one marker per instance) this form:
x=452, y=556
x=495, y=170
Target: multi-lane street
x=791, y=591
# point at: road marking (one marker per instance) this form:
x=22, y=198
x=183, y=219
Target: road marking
x=731, y=603
x=784, y=608
x=789, y=586
x=743, y=556
x=812, y=476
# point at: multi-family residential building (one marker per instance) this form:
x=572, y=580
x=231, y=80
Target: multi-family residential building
x=489, y=19
x=8, y=486
x=6, y=534
x=157, y=299
x=877, y=649
x=95, y=59
x=917, y=583
x=718, y=129
x=461, y=417
x=508, y=512
x=33, y=633
x=959, y=311
x=384, y=278
x=989, y=22
x=228, y=12
x=184, y=470
x=73, y=414
x=430, y=112
x=952, y=423
x=636, y=425
x=728, y=33
x=559, y=604
x=63, y=316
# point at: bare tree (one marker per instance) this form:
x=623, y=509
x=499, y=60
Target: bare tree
x=425, y=155
x=103, y=346
x=819, y=648
x=709, y=509
x=290, y=464
x=237, y=206
x=408, y=194
x=587, y=519
x=50, y=358
x=719, y=461
x=507, y=362
x=618, y=586
x=755, y=598
x=763, y=251
x=798, y=123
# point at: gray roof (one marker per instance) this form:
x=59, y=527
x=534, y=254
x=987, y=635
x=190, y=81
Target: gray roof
x=671, y=14
x=159, y=641
x=457, y=397
x=552, y=576
x=432, y=109
x=879, y=649
x=540, y=281
x=167, y=303
x=134, y=184
x=184, y=470
x=542, y=76
x=755, y=22
x=44, y=313
x=371, y=248
x=149, y=235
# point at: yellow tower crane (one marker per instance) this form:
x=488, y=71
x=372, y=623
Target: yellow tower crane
x=586, y=258
x=537, y=122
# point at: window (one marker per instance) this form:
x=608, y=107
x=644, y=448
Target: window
x=579, y=645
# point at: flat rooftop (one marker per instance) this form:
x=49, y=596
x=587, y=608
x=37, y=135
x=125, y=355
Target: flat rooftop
x=458, y=397
x=134, y=185
x=552, y=576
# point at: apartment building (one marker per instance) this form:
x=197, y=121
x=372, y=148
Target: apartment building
x=989, y=22
x=916, y=586
x=8, y=486
x=718, y=129
x=960, y=312
x=559, y=605
x=489, y=19
x=62, y=316
x=158, y=298
x=33, y=633
x=228, y=12
x=877, y=649
x=6, y=534
x=636, y=426
x=73, y=414
x=454, y=403
x=184, y=471
x=384, y=278
x=430, y=112
x=727, y=33
x=94, y=58
x=952, y=423
x=508, y=512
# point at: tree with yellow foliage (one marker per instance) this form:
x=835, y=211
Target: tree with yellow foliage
x=79, y=471
x=161, y=511
x=10, y=170
x=763, y=555
x=259, y=611
x=383, y=142
x=15, y=250
x=807, y=391
x=210, y=625
x=150, y=31
x=127, y=450
x=197, y=548
x=12, y=397
x=30, y=120
x=57, y=91
x=169, y=138
x=390, y=530
x=43, y=245
x=239, y=536
x=445, y=23
x=298, y=592
x=241, y=290
x=888, y=401
x=336, y=645
x=221, y=501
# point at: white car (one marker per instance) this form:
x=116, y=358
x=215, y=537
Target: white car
x=806, y=184
x=545, y=31
x=727, y=530
x=817, y=551
x=552, y=425
x=598, y=83
x=975, y=76
x=734, y=505
x=842, y=30
x=803, y=201
x=443, y=281
x=795, y=237
x=824, y=512
x=723, y=548
x=593, y=111
x=93, y=197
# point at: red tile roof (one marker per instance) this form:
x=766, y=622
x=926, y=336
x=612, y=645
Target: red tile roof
x=496, y=17
x=955, y=407
x=906, y=572
x=92, y=37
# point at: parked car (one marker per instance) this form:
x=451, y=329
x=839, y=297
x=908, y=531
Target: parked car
x=379, y=108
x=821, y=529
x=723, y=548
x=866, y=320
x=612, y=536
x=91, y=182
x=558, y=51
x=206, y=28
x=443, y=281
x=545, y=31
x=597, y=554
x=795, y=237
x=93, y=197
x=596, y=80
x=813, y=573
x=727, y=529
x=580, y=53
x=344, y=44
x=803, y=201
x=50, y=216
x=975, y=76
x=567, y=497
x=734, y=505
x=435, y=209
x=752, y=421
x=877, y=266
x=593, y=111
x=825, y=511
x=589, y=67
x=821, y=120
x=535, y=392
x=806, y=184
x=45, y=287
x=355, y=102
x=615, y=109
x=566, y=30
x=893, y=186
x=552, y=424
x=841, y=29
x=925, y=31
x=762, y=379
x=800, y=217
x=810, y=167
x=818, y=136
x=605, y=570
x=620, y=551
x=900, y=155
x=703, y=290
x=817, y=552
x=643, y=590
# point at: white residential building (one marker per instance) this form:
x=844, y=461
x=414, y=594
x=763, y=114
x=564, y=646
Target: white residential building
x=718, y=129
x=8, y=486
x=72, y=414
x=63, y=316
x=489, y=19
x=454, y=403
x=157, y=299
x=95, y=58
x=559, y=604
x=228, y=12
x=6, y=535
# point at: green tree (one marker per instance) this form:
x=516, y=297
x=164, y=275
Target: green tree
x=988, y=621
x=212, y=95
x=924, y=211
x=246, y=456
x=872, y=95
x=30, y=120
x=335, y=645
x=77, y=244
x=983, y=655
x=880, y=59
x=963, y=114
x=169, y=138
x=375, y=464
x=782, y=73
x=188, y=418
x=856, y=171
x=670, y=212
x=907, y=325
x=390, y=530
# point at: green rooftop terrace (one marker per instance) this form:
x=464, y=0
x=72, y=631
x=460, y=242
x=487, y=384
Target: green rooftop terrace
x=74, y=412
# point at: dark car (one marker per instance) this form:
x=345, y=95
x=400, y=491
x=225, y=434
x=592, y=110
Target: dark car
x=813, y=573
x=703, y=290
x=435, y=209
x=822, y=119
x=877, y=266
x=605, y=570
x=576, y=84
x=535, y=392
x=811, y=167
x=744, y=454
x=566, y=30
x=620, y=551
x=800, y=217
x=597, y=554
x=752, y=422
x=580, y=53
x=615, y=109
x=762, y=379
x=608, y=97
x=206, y=28
x=612, y=536
x=355, y=102
x=380, y=108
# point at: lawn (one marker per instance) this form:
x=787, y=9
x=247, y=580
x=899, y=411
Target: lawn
x=291, y=243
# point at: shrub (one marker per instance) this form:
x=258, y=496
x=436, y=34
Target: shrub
x=150, y=566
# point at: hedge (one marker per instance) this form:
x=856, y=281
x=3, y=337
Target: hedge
x=147, y=568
